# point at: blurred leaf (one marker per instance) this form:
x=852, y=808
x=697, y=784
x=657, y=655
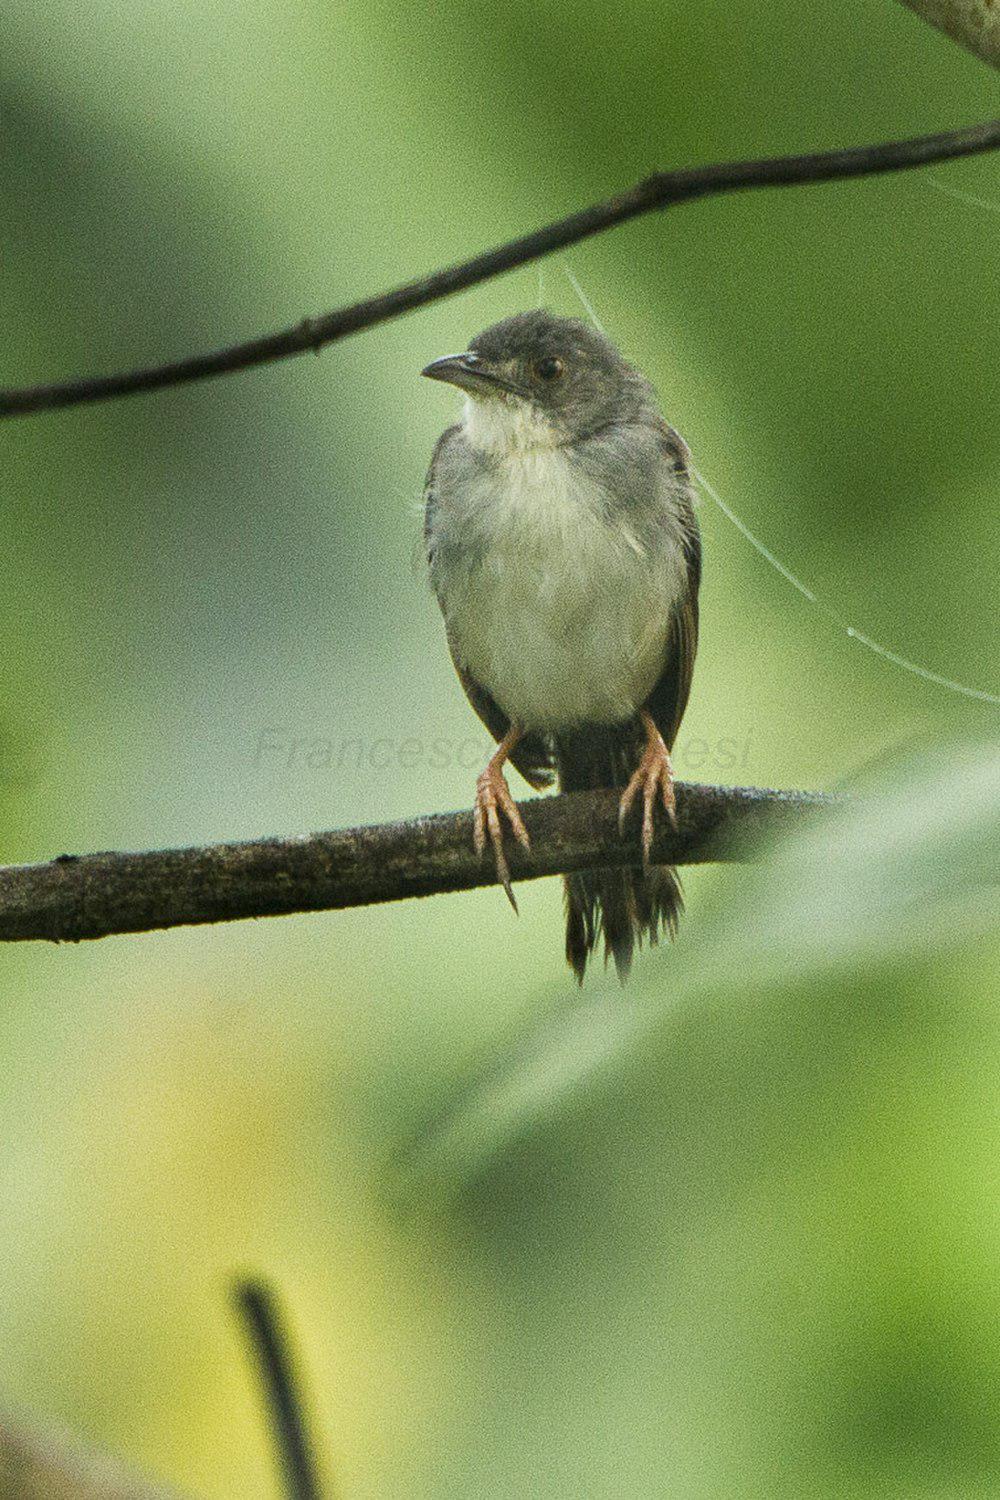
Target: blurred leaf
x=910, y=870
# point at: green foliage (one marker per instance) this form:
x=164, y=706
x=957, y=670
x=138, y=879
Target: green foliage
x=897, y=877
x=733, y=1232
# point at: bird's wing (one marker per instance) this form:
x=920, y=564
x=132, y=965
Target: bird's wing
x=532, y=755
x=669, y=697
x=430, y=488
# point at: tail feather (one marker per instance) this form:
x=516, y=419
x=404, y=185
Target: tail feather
x=627, y=906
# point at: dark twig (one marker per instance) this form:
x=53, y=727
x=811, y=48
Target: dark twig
x=259, y=1315
x=93, y=895
x=659, y=191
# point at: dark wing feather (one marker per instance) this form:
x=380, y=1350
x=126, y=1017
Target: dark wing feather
x=669, y=697
x=430, y=495
x=532, y=756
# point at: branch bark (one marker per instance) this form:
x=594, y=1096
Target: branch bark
x=661, y=190
x=94, y=895
x=975, y=24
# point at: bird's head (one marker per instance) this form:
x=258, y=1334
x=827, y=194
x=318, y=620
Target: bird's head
x=541, y=380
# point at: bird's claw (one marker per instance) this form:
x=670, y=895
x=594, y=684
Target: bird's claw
x=493, y=798
x=655, y=777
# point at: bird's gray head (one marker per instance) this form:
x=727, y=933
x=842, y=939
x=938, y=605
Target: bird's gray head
x=536, y=379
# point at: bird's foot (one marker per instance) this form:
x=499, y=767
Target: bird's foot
x=654, y=777
x=493, y=798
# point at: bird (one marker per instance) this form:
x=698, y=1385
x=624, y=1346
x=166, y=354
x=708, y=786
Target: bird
x=563, y=548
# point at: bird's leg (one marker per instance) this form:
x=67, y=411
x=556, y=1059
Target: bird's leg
x=492, y=798
x=653, y=775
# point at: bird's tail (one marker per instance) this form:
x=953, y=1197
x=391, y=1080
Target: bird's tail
x=625, y=905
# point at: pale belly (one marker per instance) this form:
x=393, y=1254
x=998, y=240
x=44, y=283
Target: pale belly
x=562, y=617
x=561, y=614
x=566, y=645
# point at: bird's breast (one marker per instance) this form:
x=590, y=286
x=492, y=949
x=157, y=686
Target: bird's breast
x=552, y=601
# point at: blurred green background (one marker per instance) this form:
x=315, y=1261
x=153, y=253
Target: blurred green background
x=734, y=1233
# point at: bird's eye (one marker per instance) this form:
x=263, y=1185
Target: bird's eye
x=549, y=369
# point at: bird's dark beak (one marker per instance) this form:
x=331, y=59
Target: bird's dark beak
x=470, y=373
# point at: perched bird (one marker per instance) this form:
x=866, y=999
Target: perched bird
x=564, y=552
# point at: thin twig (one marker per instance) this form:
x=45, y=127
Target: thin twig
x=94, y=895
x=256, y=1306
x=655, y=192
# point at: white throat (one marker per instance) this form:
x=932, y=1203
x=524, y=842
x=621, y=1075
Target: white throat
x=504, y=425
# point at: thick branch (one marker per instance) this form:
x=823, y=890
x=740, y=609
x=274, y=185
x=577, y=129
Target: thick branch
x=93, y=895
x=658, y=191
x=973, y=23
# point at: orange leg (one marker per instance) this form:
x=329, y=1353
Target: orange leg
x=493, y=798
x=653, y=776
